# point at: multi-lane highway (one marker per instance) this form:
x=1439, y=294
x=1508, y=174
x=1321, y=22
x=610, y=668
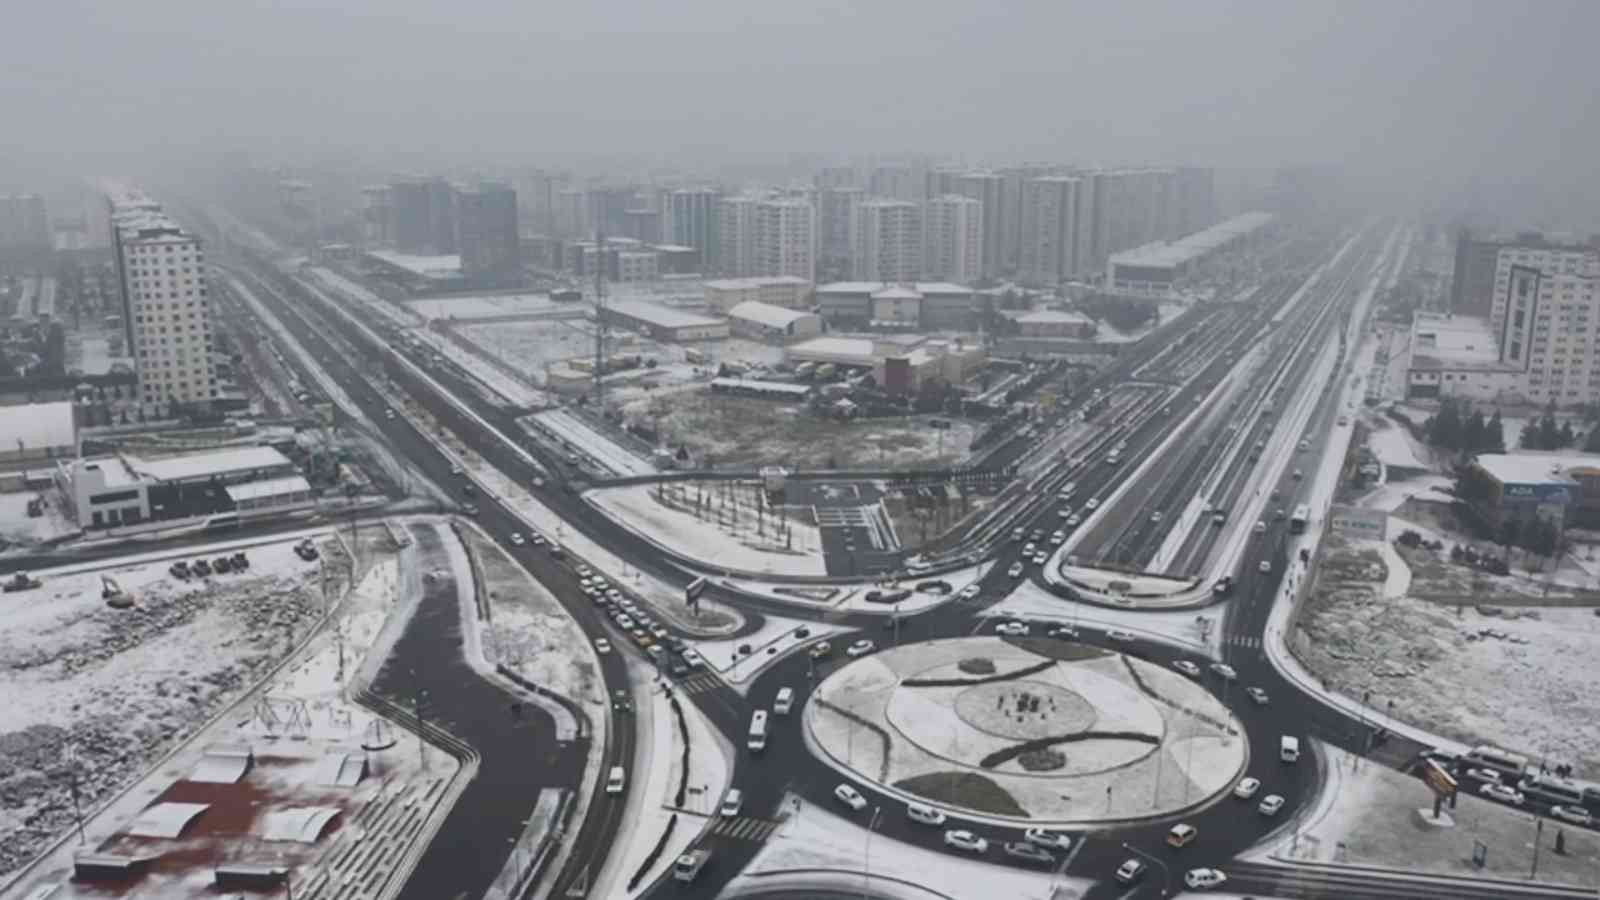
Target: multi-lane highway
x=786, y=766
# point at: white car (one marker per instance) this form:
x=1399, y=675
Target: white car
x=692, y=659
x=1188, y=668
x=1496, y=791
x=962, y=839
x=1012, y=629
x=732, y=802
x=850, y=797
x=1029, y=548
x=516, y=538
x=1204, y=879
x=1064, y=512
x=1270, y=804
x=1265, y=567
x=1246, y=788
x=970, y=591
x=1046, y=838
x=1119, y=635
x=860, y=648
x=1261, y=527
x=1057, y=537
x=1489, y=775
x=1224, y=670
x=1015, y=571
x=584, y=571
x=1576, y=815
x=1064, y=632
x=602, y=646
x=1093, y=504
x=1257, y=694
x=1155, y=517
x=455, y=470
x=1074, y=521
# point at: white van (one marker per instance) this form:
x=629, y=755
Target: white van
x=616, y=780
x=927, y=815
x=784, y=701
x=1288, y=748
x=758, y=731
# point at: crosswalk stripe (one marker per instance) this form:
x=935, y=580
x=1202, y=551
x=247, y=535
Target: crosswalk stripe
x=746, y=828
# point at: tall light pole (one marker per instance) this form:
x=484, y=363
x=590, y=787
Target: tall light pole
x=1166, y=874
x=866, y=852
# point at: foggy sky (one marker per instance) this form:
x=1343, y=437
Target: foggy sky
x=1447, y=89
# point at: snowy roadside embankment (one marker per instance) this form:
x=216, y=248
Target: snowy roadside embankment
x=709, y=539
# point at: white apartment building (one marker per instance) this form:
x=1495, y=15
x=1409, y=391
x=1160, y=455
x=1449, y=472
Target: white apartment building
x=1050, y=233
x=1546, y=312
x=166, y=313
x=786, y=238
x=886, y=241
x=952, y=239
x=736, y=231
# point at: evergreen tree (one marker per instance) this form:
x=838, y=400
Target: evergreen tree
x=1530, y=436
x=1495, y=439
x=1568, y=436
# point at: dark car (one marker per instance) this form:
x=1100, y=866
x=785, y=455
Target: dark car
x=1030, y=852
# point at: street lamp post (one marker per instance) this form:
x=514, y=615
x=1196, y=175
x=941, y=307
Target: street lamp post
x=1166, y=874
x=866, y=853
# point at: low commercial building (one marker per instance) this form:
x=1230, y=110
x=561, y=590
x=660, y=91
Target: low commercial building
x=35, y=433
x=121, y=490
x=925, y=305
x=897, y=366
x=1055, y=323
x=1156, y=269
x=787, y=291
x=419, y=273
x=1459, y=356
x=762, y=322
x=664, y=323
x=1523, y=487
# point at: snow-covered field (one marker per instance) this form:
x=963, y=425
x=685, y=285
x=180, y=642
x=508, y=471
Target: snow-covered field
x=585, y=438
x=17, y=528
x=1138, y=755
x=817, y=850
x=1394, y=447
x=711, y=538
x=1519, y=677
x=122, y=686
x=1367, y=816
x=488, y=306
x=533, y=345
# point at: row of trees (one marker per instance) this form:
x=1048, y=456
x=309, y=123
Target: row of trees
x=1466, y=431
x=1544, y=433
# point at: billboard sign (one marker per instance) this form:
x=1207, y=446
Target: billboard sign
x=1358, y=522
x=1442, y=782
x=1558, y=494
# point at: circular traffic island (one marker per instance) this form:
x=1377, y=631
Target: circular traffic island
x=1034, y=731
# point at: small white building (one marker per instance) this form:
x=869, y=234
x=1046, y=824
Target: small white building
x=762, y=322
x=108, y=491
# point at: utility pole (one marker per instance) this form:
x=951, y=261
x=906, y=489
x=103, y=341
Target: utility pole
x=600, y=321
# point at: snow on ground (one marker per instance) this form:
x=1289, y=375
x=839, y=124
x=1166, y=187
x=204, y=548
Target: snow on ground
x=353, y=290
x=816, y=850
x=712, y=541
x=575, y=432
x=1366, y=815
x=1391, y=495
x=653, y=783
x=124, y=685
x=940, y=732
x=853, y=597
x=489, y=306
x=17, y=528
x=1519, y=677
x=515, y=390
x=1183, y=627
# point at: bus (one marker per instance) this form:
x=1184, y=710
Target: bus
x=1297, y=522
x=1514, y=765
x=1554, y=791
x=758, y=731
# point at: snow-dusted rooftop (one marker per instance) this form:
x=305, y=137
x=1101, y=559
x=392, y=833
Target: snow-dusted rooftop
x=270, y=487
x=924, y=288
x=436, y=267
x=212, y=462
x=662, y=316
x=766, y=314
x=1454, y=342
x=740, y=284
x=771, y=387
x=1537, y=468
x=303, y=824
x=846, y=349
x=1052, y=316
x=38, y=425
x=1195, y=246
x=166, y=820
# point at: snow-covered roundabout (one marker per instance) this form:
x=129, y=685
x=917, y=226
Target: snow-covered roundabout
x=1032, y=730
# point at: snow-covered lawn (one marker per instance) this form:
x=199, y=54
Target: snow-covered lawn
x=1516, y=676
x=1367, y=815
x=666, y=515
x=817, y=850
x=1139, y=756
x=1395, y=447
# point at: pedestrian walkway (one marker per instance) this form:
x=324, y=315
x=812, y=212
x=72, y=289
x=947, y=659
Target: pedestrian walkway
x=745, y=828
x=699, y=684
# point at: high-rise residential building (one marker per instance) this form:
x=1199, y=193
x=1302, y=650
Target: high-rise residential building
x=488, y=238
x=952, y=239
x=536, y=199
x=165, y=311
x=424, y=216
x=886, y=241
x=1196, y=199
x=834, y=177
x=1545, y=310
x=988, y=188
x=23, y=222
x=836, y=207
x=1122, y=209
x=609, y=205
x=690, y=218
x=736, y=235
x=572, y=217
x=897, y=182
x=377, y=214
x=1011, y=236
x=940, y=181
x=786, y=238
x=1049, y=242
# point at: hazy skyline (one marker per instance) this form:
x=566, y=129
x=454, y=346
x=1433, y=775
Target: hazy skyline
x=1446, y=90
